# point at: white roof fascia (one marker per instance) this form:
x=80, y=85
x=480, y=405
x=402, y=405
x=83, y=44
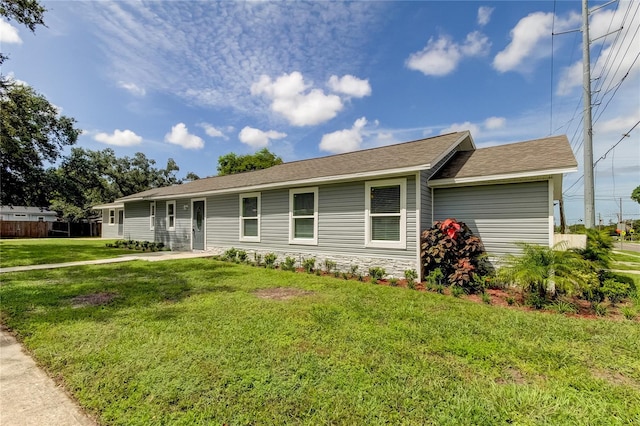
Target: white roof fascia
x=479, y=180
x=292, y=183
x=108, y=206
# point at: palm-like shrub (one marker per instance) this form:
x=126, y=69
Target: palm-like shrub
x=543, y=270
x=598, y=249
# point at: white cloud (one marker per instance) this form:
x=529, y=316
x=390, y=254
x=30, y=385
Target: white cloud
x=132, y=88
x=350, y=86
x=257, y=138
x=119, y=138
x=291, y=98
x=616, y=54
x=530, y=40
x=441, y=57
x=493, y=123
x=213, y=131
x=461, y=127
x=209, y=53
x=484, y=15
x=9, y=33
x=617, y=125
x=179, y=135
x=346, y=140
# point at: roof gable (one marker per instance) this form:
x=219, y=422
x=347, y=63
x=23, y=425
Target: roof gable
x=552, y=153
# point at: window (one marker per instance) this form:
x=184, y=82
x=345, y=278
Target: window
x=386, y=214
x=152, y=215
x=171, y=215
x=112, y=217
x=250, y=217
x=303, y=216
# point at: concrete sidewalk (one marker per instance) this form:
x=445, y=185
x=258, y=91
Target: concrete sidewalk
x=28, y=396
x=150, y=257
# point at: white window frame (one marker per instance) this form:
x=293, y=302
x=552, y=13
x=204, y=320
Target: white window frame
x=369, y=242
x=171, y=228
x=306, y=241
x=152, y=215
x=241, y=236
x=112, y=217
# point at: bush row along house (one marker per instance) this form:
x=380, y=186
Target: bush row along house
x=364, y=208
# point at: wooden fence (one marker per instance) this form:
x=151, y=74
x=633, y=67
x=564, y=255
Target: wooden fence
x=24, y=229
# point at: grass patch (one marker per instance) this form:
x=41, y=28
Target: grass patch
x=191, y=342
x=38, y=251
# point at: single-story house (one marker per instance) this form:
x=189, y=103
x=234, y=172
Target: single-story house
x=364, y=208
x=27, y=214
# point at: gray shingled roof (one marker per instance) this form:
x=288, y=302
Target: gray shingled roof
x=403, y=155
x=535, y=155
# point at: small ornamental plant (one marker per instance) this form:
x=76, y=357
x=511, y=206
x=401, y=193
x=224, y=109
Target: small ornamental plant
x=451, y=247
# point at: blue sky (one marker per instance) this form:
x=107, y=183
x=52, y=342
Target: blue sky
x=196, y=80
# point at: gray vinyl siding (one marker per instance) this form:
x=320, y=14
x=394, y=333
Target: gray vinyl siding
x=180, y=237
x=341, y=223
x=500, y=215
x=136, y=222
x=426, y=218
x=108, y=231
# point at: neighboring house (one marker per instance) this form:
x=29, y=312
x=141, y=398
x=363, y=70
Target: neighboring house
x=27, y=214
x=364, y=208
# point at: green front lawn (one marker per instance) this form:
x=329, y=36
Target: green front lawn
x=38, y=251
x=190, y=342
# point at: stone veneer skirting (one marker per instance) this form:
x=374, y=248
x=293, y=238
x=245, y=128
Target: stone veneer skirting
x=394, y=268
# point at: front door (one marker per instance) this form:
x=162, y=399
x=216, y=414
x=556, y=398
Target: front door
x=120, y=222
x=198, y=224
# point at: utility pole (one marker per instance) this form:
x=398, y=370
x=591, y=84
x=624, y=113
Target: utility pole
x=589, y=199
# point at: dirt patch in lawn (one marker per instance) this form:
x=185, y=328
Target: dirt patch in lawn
x=615, y=378
x=281, y=293
x=94, y=299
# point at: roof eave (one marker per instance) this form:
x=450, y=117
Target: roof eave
x=377, y=174
x=505, y=177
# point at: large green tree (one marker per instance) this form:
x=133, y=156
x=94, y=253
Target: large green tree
x=86, y=178
x=232, y=163
x=635, y=195
x=32, y=134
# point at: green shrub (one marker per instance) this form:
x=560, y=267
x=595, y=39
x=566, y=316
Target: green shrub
x=439, y=288
x=270, y=260
x=353, y=270
x=345, y=276
x=230, y=255
x=393, y=282
x=615, y=291
x=435, y=277
x=599, y=309
x=411, y=284
x=535, y=300
x=257, y=259
x=410, y=275
x=329, y=265
x=289, y=264
x=628, y=312
x=241, y=255
x=457, y=291
x=598, y=249
x=563, y=307
x=511, y=300
x=486, y=298
x=377, y=273
x=309, y=265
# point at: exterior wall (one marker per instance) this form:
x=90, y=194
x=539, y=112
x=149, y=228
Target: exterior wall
x=136, y=223
x=109, y=231
x=341, y=228
x=426, y=218
x=28, y=217
x=179, y=238
x=500, y=215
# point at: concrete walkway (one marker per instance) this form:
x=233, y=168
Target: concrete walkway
x=27, y=395
x=150, y=257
